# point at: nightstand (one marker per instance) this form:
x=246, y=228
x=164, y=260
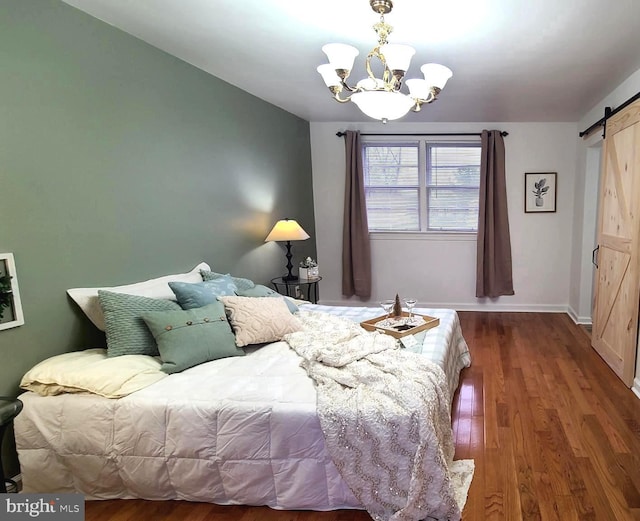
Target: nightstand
x=308, y=288
x=9, y=409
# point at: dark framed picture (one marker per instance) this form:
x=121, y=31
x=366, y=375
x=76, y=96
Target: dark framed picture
x=10, y=306
x=540, y=192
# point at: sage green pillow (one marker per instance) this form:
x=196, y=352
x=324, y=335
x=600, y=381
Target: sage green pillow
x=127, y=334
x=263, y=291
x=197, y=294
x=190, y=337
x=241, y=283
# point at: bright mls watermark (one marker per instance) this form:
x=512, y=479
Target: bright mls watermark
x=46, y=507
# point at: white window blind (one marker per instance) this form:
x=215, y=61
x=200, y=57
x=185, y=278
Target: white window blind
x=422, y=186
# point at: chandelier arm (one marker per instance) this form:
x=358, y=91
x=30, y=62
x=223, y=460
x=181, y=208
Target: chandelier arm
x=349, y=88
x=336, y=90
x=390, y=80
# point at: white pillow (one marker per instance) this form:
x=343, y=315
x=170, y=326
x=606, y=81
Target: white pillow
x=256, y=320
x=92, y=371
x=87, y=298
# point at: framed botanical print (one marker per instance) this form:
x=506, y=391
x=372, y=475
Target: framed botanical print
x=10, y=305
x=540, y=192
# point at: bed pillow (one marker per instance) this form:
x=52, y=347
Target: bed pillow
x=196, y=295
x=93, y=372
x=191, y=337
x=87, y=298
x=241, y=283
x=263, y=291
x=256, y=320
x=127, y=333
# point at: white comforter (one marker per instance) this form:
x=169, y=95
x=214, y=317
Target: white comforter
x=242, y=430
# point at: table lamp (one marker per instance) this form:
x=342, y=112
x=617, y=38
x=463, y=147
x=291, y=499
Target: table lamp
x=287, y=230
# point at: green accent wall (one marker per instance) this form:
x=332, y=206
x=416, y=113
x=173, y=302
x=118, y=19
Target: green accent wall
x=119, y=163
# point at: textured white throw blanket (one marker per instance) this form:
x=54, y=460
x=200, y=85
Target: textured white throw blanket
x=385, y=416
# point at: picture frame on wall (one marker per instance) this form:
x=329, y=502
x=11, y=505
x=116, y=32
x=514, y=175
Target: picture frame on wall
x=540, y=192
x=10, y=306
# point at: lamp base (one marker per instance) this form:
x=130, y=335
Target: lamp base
x=289, y=277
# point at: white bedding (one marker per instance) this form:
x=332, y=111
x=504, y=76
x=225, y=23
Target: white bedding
x=241, y=430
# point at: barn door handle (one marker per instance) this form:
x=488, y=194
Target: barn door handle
x=594, y=256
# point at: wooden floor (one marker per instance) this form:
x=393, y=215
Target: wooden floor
x=553, y=432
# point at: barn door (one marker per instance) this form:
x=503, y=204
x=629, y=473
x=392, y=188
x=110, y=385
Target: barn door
x=617, y=288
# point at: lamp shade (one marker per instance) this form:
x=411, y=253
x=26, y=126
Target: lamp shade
x=328, y=73
x=340, y=55
x=287, y=230
x=419, y=88
x=397, y=56
x=436, y=75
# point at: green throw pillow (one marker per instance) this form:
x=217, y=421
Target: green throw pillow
x=241, y=283
x=192, y=295
x=263, y=291
x=191, y=337
x=127, y=334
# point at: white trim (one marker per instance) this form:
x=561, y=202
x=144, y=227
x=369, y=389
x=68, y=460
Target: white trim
x=424, y=236
x=524, y=308
x=636, y=387
x=582, y=321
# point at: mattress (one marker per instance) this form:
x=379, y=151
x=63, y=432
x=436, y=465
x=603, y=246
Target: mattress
x=241, y=430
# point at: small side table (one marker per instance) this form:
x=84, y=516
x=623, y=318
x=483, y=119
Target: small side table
x=9, y=409
x=308, y=288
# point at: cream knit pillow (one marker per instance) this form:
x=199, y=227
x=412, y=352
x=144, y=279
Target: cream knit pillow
x=256, y=320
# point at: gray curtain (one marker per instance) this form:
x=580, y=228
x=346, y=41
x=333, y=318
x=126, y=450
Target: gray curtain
x=494, y=275
x=356, y=250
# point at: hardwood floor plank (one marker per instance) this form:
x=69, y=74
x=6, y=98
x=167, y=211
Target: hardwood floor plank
x=554, y=434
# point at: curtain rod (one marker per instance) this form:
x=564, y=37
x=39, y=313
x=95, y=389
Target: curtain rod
x=502, y=133
x=608, y=112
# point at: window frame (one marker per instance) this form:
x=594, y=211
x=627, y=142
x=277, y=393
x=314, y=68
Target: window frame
x=423, y=157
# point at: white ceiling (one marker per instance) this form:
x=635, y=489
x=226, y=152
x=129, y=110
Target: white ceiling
x=513, y=60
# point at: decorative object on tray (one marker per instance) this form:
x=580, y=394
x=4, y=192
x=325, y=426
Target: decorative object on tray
x=387, y=305
x=308, y=269
x=410, y=302
x=397, y=307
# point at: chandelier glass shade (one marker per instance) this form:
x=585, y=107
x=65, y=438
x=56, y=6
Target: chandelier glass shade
x=382, y=98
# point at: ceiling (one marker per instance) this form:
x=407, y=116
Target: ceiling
x=513, y=60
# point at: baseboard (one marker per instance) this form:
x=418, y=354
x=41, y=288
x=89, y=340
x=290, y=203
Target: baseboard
x=636, y=387
x=488, y=306
x=583, y=321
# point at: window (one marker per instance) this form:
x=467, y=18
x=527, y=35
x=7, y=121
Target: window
x=422, y=186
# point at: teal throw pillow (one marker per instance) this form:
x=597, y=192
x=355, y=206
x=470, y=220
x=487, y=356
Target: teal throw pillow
x=127, y=334
x=239, y=282
x=190, y=337
x=192, y=295
x=263, y=291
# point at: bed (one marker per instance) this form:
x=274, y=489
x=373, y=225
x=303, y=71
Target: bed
x=237, y=430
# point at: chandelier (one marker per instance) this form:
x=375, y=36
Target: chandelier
x=381, y=98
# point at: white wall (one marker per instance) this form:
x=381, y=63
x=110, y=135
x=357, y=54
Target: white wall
x=584, y=239
x=442, y=272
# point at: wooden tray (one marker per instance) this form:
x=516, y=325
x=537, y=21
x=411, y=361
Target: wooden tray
x=429, y=322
